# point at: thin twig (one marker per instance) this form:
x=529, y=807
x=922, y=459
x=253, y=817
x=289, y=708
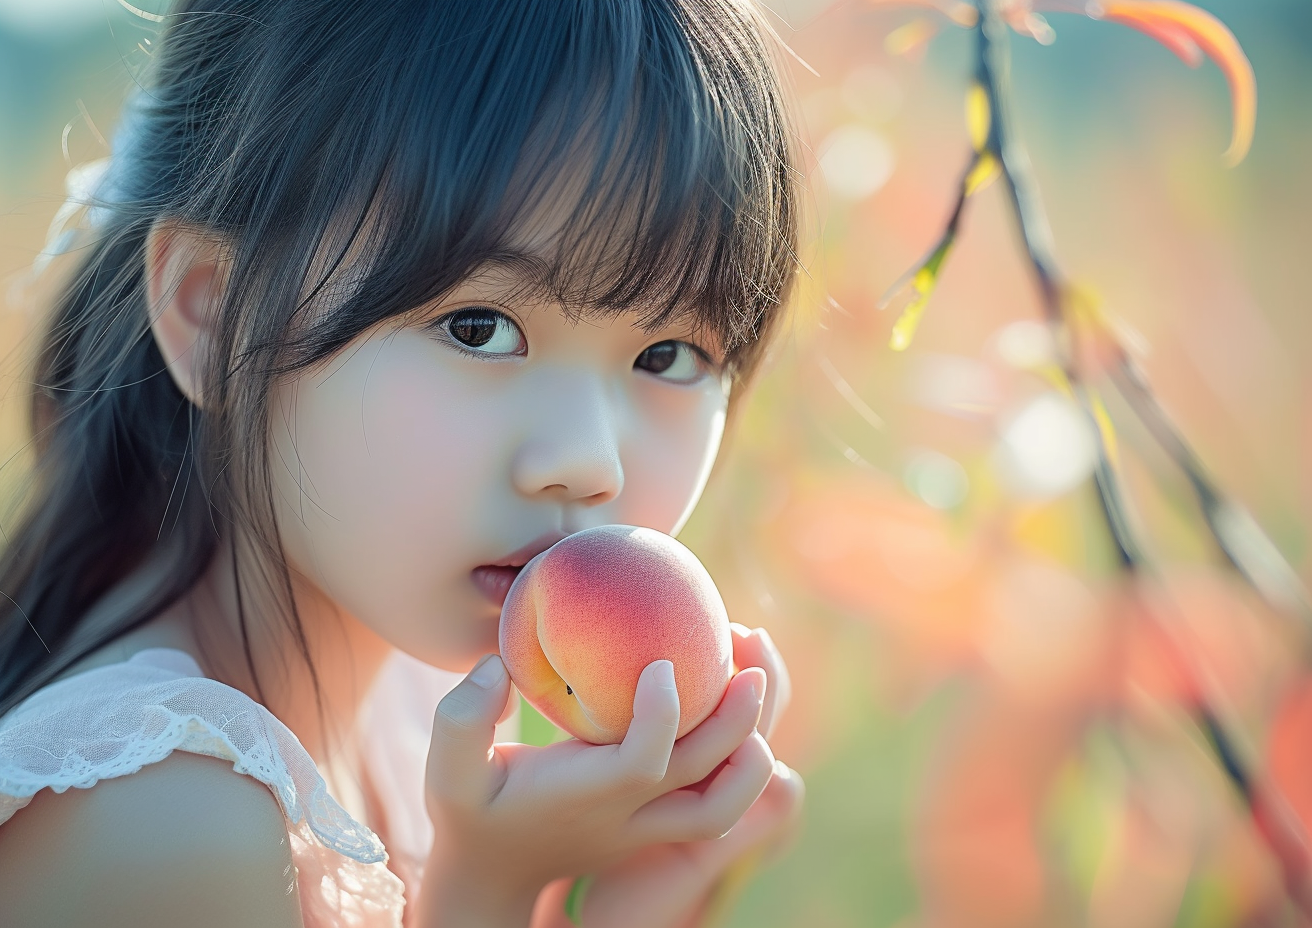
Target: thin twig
x=1239, y=539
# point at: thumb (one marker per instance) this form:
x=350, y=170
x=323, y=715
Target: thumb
x=460, y=760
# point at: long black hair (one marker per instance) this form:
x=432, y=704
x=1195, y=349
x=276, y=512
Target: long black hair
x=304, y=134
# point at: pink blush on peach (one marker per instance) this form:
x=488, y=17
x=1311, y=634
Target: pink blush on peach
x=584, y=618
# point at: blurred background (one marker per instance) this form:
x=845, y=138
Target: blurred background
x=993, y=728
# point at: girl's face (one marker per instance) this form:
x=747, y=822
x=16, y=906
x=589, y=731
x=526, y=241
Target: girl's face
x=425, y=461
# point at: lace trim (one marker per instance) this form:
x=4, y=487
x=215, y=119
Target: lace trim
x=112, y=721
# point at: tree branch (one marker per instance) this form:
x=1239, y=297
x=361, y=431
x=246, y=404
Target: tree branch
x=1237, y=536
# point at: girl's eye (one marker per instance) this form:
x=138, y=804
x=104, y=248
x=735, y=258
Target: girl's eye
x=671, y=360
x=482, y=331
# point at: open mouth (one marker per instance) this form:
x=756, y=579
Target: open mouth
x=494, y=582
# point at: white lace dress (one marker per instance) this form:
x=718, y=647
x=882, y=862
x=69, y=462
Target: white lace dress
x=113, y=720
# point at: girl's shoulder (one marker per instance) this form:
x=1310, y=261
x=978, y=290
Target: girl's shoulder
x=137, y=726
x=183, y=841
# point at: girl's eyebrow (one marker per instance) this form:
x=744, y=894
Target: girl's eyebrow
x=519, y=272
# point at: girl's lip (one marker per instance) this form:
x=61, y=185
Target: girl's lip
x=494, y=581
x=522, y=555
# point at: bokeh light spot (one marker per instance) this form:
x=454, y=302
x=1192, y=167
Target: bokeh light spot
x=856, y=161
x=1047, y=449
x=937, y=479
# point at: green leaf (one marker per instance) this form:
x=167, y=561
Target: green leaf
x=919, y=288
x=534, y=729
x=574, y=901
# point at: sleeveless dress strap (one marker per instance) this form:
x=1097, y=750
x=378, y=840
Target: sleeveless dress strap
x=113, y=720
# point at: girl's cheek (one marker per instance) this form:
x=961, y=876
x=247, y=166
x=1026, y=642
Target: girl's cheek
x=671, y=458
x=378, y=462
x=392, y=461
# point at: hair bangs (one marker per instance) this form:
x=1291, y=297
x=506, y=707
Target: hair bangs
x=637, y=160
x=356, y=162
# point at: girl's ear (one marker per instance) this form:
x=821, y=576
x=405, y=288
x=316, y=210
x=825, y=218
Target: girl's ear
x=186, y=271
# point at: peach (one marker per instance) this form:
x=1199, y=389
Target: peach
x=584, y=618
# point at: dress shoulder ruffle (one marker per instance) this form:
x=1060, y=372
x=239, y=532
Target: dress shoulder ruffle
x=111, y=721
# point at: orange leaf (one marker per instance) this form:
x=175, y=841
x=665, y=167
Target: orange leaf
x=1191, y=32
x=1168, y=34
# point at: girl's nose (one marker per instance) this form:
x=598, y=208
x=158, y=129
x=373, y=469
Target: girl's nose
x=571, y=452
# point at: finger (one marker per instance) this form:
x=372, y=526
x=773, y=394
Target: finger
x=700, y=751
x=755, y=648
x=779, y=809
x=769, y=826
x=512, y=705
x=642, y=758
x=461, y=768
x=686, y=815
x=780, y=821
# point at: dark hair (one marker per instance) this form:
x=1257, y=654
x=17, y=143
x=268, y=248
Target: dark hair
x=306, y=133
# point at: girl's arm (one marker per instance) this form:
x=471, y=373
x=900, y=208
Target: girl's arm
x=184, y=841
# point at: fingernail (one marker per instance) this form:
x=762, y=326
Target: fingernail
x=664, y=674
x=487, y=673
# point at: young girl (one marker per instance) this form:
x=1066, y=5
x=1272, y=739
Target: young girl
x=382, y=300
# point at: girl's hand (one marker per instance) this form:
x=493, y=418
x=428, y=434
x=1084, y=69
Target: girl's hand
x=509, y=818
x=668, y=885
x=755, y=648
x=675, y=885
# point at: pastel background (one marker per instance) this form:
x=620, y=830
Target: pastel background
x=991, y=732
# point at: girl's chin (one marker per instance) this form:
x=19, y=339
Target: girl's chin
x=460, y=655
x=485, y=642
